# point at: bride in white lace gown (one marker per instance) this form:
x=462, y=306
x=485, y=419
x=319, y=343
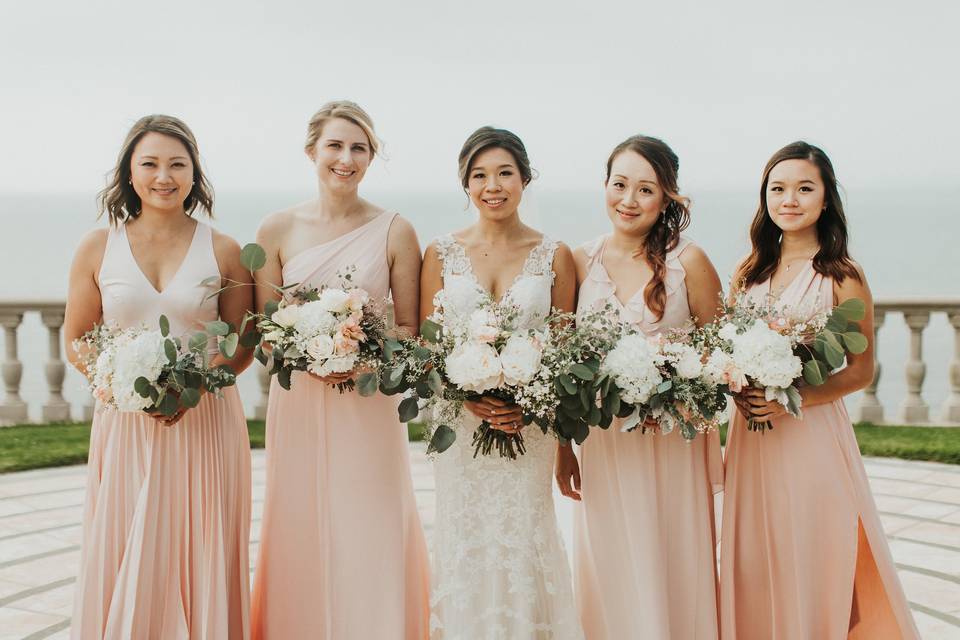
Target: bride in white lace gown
x=500, y=569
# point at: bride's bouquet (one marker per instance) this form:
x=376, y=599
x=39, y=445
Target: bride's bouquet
x=464, y=358
x=330, y=330
x=668, y=378
x=768, y=347
x=141, y=369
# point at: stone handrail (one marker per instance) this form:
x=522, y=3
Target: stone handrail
x=913, y=410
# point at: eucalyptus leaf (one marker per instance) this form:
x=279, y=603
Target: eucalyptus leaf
x=283, y=377
x=568, y=383
x=815, y=372
x=395, y=376
x=367, y=383
x=253, y=257
x=217, y=327
x=168, y=405
x=834, y=356
x=228, y=346
x=583, y=430
x=443, y=437
x=164, y=326
x=210, y=281
x=594, y=417
x=198, y=342
x=794, y=401
x=434, y=381
x=855, y=342
x=270, y=308
x=430, y=331
x=189, y=398
x=260, y=355
x=170, y=350
x=408, y=409
x=390, y=347
x=250, y=339
x=582, y=371
x=853, y=309
x=666, y=385
x=142, y=386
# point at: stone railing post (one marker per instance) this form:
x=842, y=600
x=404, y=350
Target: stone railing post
x=56, y=408
x=13, y=408
x=914, y=410
x=870, y=408
x=951, y=408
x=263, y=377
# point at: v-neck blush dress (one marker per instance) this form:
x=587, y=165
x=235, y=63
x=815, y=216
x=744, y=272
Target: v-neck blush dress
x=644, y=532
x=167, y=509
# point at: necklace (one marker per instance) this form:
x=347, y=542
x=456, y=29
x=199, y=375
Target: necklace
x=795, y=261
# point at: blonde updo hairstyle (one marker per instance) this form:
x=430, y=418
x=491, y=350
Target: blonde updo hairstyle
x=347, y=110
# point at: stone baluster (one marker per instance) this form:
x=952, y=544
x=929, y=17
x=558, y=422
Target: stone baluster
x=263, y=377
x=13, y=408
x=56, y=409
x=870, y=408
x=914, y=410
x=951, y=408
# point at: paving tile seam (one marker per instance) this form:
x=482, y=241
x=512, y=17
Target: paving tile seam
x=44, y=510
x=928, y=572
x=897, y=463
x=49, y=631
x=928, y=500
x=41, y=493
x=939, y=615
x=38, y=556
x=920, y=482
x=26, y=593
x=40, y=531
x=936, y=545
x=919, y=519
x=9, y=477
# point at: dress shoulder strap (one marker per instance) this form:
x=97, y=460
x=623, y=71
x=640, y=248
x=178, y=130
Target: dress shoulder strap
x=540, y=260
x=452, y=256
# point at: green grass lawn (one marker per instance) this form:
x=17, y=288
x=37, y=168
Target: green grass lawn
x=51, y=445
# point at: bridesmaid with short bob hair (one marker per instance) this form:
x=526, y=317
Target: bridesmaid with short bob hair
x=802, y=553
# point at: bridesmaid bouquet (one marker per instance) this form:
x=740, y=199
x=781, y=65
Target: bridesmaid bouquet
x=139, y=369
x=330, y=330
x=669, y=378
x=455, y=361
x=768, y=347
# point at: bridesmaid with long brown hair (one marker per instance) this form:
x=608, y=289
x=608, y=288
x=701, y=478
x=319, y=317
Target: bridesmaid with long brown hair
x=167, y=510
x=644, y=539
x=803, y=554
x=342, y=552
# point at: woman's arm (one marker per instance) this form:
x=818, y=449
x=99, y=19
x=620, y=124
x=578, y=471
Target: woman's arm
x=567, y=267
x=563, y=295
x=403, y=253
x=431, y=280
x=84, y=308
x=270, y=276
x=235, y=300
x=703, y=285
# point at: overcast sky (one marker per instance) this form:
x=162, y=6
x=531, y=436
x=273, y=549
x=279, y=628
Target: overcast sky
x=874, y=83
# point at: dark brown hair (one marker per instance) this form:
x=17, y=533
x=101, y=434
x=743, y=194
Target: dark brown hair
x=486, y=138
x=119, y=200
x=832, y=259
x=665, y=233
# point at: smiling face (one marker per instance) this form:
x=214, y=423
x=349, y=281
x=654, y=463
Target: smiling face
x=634, y=197
x=795, y=194
x=495, y=184
x=161, y=171
x=341, y=155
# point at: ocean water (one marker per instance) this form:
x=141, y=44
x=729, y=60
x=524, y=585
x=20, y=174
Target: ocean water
x=906, y=240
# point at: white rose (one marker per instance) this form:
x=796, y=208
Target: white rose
x=686, y=360
x=474, y=366
x=334, y=300
x=520, y=359
x=286, y=316
x=273, y=336
x=340, y=364
x=320, y=347
x=482, y=326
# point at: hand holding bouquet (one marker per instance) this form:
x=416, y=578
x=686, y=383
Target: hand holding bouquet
x=139, y=369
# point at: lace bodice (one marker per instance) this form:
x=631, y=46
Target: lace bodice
x=500, y=569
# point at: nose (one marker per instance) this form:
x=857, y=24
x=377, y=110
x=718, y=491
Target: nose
x=629, y=199
x=163, y=174
x=493, y=184
x=345, y=156
x=790, y=199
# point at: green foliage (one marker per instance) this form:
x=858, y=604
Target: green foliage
x=253, y=257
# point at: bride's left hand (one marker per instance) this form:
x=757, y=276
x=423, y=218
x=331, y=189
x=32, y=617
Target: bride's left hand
x=499, y=414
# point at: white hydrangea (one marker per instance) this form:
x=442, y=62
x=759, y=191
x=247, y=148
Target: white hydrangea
x=520, y=358
x=334, y=300
x=633, y=364
x=287, y=315
x=314, y=319
x=685, y=359
x=766, y=356
x=139, y=355
x=474, y=366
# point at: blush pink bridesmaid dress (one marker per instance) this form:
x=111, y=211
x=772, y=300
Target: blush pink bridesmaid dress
x=802, y=552
x=167, y=509
x=644, y=533
x=342, y=552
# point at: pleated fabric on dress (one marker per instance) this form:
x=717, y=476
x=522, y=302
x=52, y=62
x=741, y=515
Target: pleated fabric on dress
x=167, y=509
x=342, y=552
x=644, y=533
x=794, y=502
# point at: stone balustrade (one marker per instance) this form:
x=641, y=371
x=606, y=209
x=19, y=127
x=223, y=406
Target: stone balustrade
x=913, y=409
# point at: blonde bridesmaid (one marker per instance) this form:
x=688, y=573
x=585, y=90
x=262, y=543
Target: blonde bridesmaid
x=167, y=508
x=644, y=539
x=342, y=552
x=803, y=553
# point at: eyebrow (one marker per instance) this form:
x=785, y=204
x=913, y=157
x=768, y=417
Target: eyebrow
x=618, y=175
x=155, y=158
x=362, y=144
x=503, y=166
x=801, y=182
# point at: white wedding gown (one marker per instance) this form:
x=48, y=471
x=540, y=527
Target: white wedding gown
x=500, y=569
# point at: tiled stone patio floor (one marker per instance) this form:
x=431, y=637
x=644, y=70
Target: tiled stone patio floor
x=40, y=513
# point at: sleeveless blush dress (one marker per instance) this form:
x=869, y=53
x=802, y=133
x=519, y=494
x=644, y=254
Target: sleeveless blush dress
x=342, y=552
x=644, y=532
x=167, y=509
x=802, y=550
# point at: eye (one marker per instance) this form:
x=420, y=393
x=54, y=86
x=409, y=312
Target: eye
x=506, y=172
x=179, y=165
x=646, y=190
x=478, y=176
x=359, y=148
x=334, y=145
x=618, y=185
x=776, y=189
x=147, y=163
x=806, y=189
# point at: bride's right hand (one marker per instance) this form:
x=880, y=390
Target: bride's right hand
x=499, y=414
x=334, y=378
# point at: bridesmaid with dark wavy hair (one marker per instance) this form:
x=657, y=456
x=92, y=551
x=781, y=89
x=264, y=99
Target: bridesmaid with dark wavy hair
x=644, y=537
x=803, y=553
